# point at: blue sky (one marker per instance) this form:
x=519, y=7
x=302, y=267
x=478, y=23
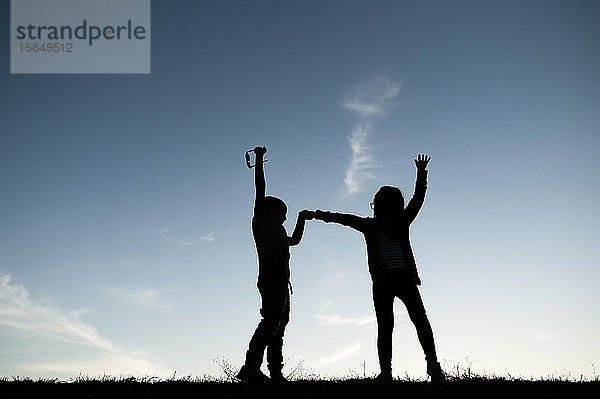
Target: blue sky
x=125, y=242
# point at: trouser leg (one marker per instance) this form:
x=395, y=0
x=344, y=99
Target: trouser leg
x=272, y=312
x=258, y=343
x=383, y=300
x=409, y=294
x=275, y=344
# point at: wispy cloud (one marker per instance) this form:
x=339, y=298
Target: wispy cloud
x=342, y=354
x=369, y=100
x=195, y=241
x=362, y=162
x=337, y=320
x=147, y=298
x=19, y=311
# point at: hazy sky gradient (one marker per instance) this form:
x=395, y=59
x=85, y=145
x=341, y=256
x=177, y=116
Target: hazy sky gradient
x=125, y=206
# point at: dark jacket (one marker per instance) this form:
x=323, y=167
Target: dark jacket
x=272, y=246
x=368, y=226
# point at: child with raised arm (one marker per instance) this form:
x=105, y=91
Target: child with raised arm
x=272, y=245
x=392, y=267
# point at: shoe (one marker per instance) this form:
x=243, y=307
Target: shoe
x=435, y=372
x=278, y=378
x=251, y=375
x=385, y=377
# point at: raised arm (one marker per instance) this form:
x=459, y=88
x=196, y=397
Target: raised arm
x=353, y=221
x=259, y=174
x=303, y=216
x=416, y=202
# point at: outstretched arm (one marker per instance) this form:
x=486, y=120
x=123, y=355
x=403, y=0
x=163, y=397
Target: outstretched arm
x=353, y=221
x=416, y=202
x=259, y=174
x=303, y=216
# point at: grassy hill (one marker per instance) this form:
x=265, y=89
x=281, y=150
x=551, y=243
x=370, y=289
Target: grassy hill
x=351, y=388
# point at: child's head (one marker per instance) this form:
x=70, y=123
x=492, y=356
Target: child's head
x=277, y=208
x=388, y=203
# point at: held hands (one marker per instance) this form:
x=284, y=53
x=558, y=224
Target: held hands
x=318, y=214
x=422, y=161
x=306, y=214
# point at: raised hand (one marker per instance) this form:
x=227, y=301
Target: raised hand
x=260, y=151
x=422, y=161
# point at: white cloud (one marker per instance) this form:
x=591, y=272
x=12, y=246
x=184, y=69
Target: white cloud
x=337, y=320
x=194, y=241
x=19, y=311
x=368, y=100
x=147, y=298
x=370, y=97
x=342, y=354
x=362, y=162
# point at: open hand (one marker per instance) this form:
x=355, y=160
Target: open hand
x=422, y=161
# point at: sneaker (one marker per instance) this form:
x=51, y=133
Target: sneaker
x=435, y=372
x=385, y=377
x=251, y=375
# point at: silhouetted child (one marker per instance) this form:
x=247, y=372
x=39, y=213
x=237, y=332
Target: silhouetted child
x=272, y=245
x=392, y=267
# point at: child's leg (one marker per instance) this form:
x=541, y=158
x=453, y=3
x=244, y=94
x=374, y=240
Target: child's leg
x=275, y=344
x=409, y=294
x=271, y=310
x=383, y=299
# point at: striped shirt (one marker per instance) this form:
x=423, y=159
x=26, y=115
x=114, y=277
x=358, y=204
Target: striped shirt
x=390, y=252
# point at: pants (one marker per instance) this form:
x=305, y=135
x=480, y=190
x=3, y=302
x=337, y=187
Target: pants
x=397, y=283
x=275, y=312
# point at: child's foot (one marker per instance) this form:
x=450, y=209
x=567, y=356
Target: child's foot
x=385, y=377
x=251, y=375
x=435, y=372
x=278, y=378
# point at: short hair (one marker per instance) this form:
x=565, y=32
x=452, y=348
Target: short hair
x=274, y=203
